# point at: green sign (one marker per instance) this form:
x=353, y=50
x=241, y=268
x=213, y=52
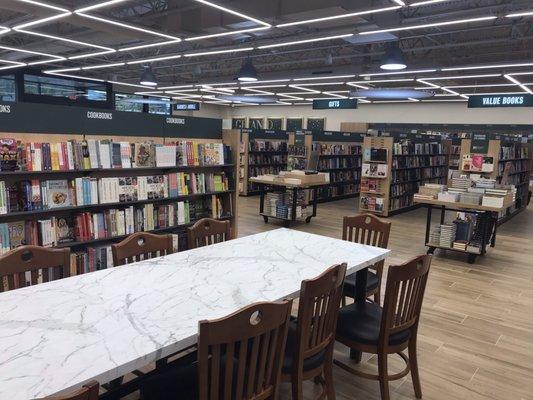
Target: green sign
x=479, y=143
x=503, y=100
x=336, y=104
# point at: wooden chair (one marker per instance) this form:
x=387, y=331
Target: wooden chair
x=53, y=264
x=311, y=338
x=369, y=328
x=239, y=357
x=366, y=229
x=89, y=391
x=141, y=246
x=208, y=231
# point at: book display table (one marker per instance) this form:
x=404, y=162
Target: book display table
x=268, y=186
x=488, y=223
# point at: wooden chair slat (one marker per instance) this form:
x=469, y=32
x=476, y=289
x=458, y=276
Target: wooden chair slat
x=141, y=246
x=208, y=231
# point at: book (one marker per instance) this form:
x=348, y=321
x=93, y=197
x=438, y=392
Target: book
x=64, y=229
x=165, y=155
x=58, y=193
x=9, y=155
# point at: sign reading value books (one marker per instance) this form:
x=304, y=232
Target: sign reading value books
x=187, y=106
x=493, y=101
x=479, y=143
x=45, y=118
x=337, y=104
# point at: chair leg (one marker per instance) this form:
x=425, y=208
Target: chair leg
x=297, y=389
x=383, y=376
x=328, y=377
x=377, y=297
x=413, y=363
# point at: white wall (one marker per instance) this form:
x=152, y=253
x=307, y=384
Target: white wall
x=442, y=113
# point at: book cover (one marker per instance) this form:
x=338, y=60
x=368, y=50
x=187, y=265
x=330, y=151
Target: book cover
x=58, y=194
x=144, y=155
x=64, y=229
x=8, y=154
x=17, y=235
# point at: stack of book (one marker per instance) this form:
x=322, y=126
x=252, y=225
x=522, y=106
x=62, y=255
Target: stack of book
x=447, y=235
x=434, y=236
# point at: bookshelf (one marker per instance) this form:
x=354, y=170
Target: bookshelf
x=73, y=202
x=340, y=155
x=262, y=151
x=395, y=165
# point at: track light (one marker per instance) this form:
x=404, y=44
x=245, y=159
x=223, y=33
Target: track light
x=148, y=77
x=393, y=59
x=248, y=73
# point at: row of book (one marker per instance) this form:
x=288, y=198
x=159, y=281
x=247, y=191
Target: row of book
x=513, y=151
x=408, y=147
x=371, y=185
x=331, y=192
x=110, y=223
x=29, y=195
x=74, y=155
x=344, y=176
x=372, y=203
x=342, y=162
x=396, y=203
x=267, y=145
x=402, y=176
x=422, y=161
x=337, y=149
x=267, y=159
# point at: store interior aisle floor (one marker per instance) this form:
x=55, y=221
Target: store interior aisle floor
x=476, y=329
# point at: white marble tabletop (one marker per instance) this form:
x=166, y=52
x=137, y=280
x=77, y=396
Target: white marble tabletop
x=58, y=335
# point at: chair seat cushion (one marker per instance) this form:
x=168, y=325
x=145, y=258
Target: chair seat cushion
x=360, y=323
x=372, y=283
x=310, y=363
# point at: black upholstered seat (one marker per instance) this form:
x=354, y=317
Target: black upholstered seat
x=290, y=349
x=372, y=282
x=360, y=323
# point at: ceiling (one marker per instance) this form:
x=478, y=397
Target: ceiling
x=196, y=47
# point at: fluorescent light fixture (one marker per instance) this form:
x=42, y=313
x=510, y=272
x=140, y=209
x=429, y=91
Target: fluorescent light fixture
x=445, y=23
x=521, y=73
x=304, y=89
x=427, y=83
x=517, y=82
x=55, y=71
x=127, y=26
x=426, y=2
x=354, y=14
x=440, y=78
x=316, y=78
x=209, y=53
x=126, y=84
x=488, y=67
x=363, y=101
x=100, y=5
x=217, y=84
x=230, y=11
x=289, y=96
x=176, y=87
x=155, y=59
x=399, y=2
x=40, y=4
x=269, y=81
x=74, y=76
x=357, y=85
x=281, y=103
x=455, y=93
x=524, y=13
x=492, y=93
x=12, y=64
x=43, y=20
x=385, y=80
x=410, y=98
x=64, y=39
x=258, y=91
x=87, y=55
x=145, y=46
x=213, y=35
x=480, y=86
x=37, y=53
x=269, y=46
x=335, y=95
x=4, y=29
x=265, y=86
x=103, y=66
x=419, y=71
x=322, y=84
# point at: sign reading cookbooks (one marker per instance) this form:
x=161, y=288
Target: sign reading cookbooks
x=494, y=101
x=45, y=118
x=335, y=104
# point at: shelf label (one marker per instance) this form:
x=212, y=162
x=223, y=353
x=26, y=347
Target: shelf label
x=337, y=104
x=487, y=101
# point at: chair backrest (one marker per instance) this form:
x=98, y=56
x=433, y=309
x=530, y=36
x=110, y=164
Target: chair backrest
x=240, y=356
x=318, y=309
x=42, y=263
x=208, y=231
x=89, y=391
x=141, y=246
x=366, y=229
x=404, y=293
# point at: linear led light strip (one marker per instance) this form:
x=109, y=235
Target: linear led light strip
x=335, y=95
x=12, y=64
x=289, y=96
x=419, y=71
x=384, y=81
x=435, y=24
x=258, y=91
x=316, y=78
x=488, y=67
x=455, y=93
x=37, y=53
x=517, y=82
x=357, y=85
x=269, y=46
x=304, y=89
x=236, y=13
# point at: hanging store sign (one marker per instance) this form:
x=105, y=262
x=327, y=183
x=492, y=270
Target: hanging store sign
x=493, y=101
x=187, y=106
x=338, y=104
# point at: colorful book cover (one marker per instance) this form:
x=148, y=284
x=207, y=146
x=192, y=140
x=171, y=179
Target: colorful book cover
x=8, y=154
x=58, y=194
x=17, y=235
x=64, y=229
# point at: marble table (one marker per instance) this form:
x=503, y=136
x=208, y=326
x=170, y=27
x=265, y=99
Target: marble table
x=58, y=335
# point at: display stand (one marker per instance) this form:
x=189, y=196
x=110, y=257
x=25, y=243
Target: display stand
x=261, y=152
x=389, y=183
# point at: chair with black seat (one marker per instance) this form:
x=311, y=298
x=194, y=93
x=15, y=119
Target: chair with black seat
x=42, y=263
x=310, y=341
x=366, y=327
x=208, y=231
x=366, y=229
x=239, y=357
x=141, y=246
x=89, y=391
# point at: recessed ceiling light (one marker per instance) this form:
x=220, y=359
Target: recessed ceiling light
x=488, y=66
x=354, y=14
x=208, y=53
x=411, y=27
x=269, y=46
x=517, y=82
